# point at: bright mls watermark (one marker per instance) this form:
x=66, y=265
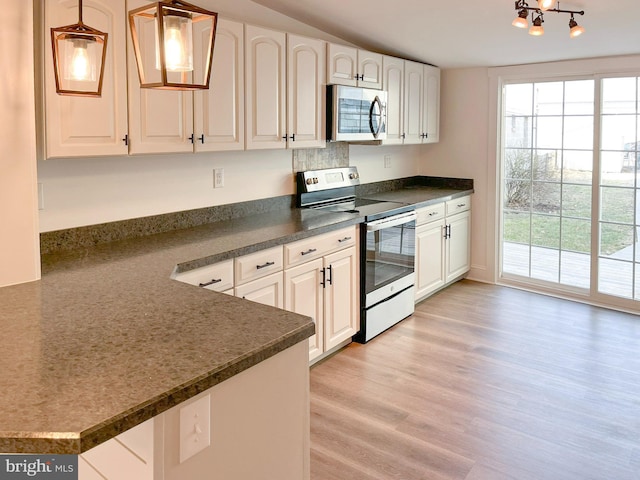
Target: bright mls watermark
x=39, y=467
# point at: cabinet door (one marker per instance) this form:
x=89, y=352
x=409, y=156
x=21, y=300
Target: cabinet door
x=413, y=91
x=370, y=69
x=342, y=65
x=429, y=258
x=341, y=297
x=393, y=83
x=266, y=290
x=303, y=294
x=160, y=121
x=431, y=108
x=306, y=65
x=219, y=111
x=84, y=126
x=458, y=257
x=265, y=88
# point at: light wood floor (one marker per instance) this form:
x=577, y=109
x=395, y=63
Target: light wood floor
x=483, y=383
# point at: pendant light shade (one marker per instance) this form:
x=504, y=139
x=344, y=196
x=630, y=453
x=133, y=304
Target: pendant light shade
x=521, y=20
x=79, y=54
x=537, y=29
x=575, y=30
x=173, y=43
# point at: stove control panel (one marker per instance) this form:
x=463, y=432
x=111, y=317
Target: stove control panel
x=318, y=180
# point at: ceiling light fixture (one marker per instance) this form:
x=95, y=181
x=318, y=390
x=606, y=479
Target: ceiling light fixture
x=166, y=37
x=79, y=53
x=544, y=6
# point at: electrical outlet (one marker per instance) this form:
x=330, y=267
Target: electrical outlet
x=195, y=427
x=387, y=161
x=218, y=177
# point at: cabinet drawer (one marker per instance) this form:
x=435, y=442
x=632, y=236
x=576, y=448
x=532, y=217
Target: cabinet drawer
x=430, y=214
x=217, y=277
x=257, y=265
x=458, y=205
x=314, y=247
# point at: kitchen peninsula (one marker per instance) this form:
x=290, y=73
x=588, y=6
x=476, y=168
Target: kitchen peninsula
x=107, y=341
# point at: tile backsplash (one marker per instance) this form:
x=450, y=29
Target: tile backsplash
x=336, y=154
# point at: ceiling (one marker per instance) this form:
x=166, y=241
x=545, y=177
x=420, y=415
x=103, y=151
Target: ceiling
x=464, y=33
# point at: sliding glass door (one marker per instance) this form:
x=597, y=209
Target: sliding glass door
x=546, y=182
x=557, y=230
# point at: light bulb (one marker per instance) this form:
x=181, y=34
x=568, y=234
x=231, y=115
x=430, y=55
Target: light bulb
x=546, y=4
x=80, y=63
x=173, y=49
x=178, y=44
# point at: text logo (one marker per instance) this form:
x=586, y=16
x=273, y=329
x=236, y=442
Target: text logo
x=39, y=467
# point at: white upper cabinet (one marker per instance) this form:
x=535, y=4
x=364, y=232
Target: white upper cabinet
x=88, y=126
x=413, y=103
x=306, y=64
x=393, y=83
x=265, y=88
x=353, y=67
x=284, y=90
x=431, y=112
x=160, y=121
x=219, y=111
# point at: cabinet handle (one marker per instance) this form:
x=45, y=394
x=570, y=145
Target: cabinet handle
x=403, y=136
x=460, y=205
x=192, y=137
x=345, y=239
x=360, y=77
x=292, y=137
x=324, y=278
x=201, y=138
x=433, y=213
x=447, y=231
x=265, y=265
x=213, y=281
x=126, y=140
x=311, y=250
x=330, y=279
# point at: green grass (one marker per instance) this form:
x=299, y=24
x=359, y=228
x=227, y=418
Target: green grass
x=557, y=220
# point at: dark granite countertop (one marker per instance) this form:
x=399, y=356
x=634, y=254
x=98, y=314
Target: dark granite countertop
x=420, y=196
x=106, y=340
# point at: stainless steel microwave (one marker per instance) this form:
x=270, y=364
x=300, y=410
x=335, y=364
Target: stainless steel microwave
x=356, y=114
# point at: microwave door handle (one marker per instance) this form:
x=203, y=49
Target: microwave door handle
x=374, y=130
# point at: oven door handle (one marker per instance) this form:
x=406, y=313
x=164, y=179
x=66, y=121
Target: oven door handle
x=392, y=221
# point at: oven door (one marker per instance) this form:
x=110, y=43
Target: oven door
x=389, y=257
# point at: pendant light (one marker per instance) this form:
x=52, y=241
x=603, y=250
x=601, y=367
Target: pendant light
x=546, y=4
x=521, y=20
x=537, y=30
x=79, y=54
x=575, y=30
x=173, y=43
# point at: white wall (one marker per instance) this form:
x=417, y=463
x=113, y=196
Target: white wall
x=19, y=241
x=463, y=152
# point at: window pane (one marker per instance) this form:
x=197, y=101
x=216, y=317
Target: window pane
x=611, y=166
x=548, y=132
x=578, y=133
x=516, y=259
x=545, y=264
x=545, y=231
x=578, y=97
x=576, y=201
x=617, y=205
x=577, y=166
x=615, y=241
x=517, y=227
x=549, y=98
x=575, y=269
x=547, y=165
x=517, y=163
x=517, y=195
x=615, y=278
x=576, y=235
x=546, y=198
x=619, y=95
x=518, y=132
x=618, y=132
x=518, y=99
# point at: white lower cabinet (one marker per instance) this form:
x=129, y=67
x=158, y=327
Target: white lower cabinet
x=443, y=244
x=322, y=283
x=266, y=290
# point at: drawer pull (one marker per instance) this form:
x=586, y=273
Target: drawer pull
x=265, y=265
x=345, y=239
x=460, y=205
x=311, y=250
x=433, y=213
x=213, y=281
